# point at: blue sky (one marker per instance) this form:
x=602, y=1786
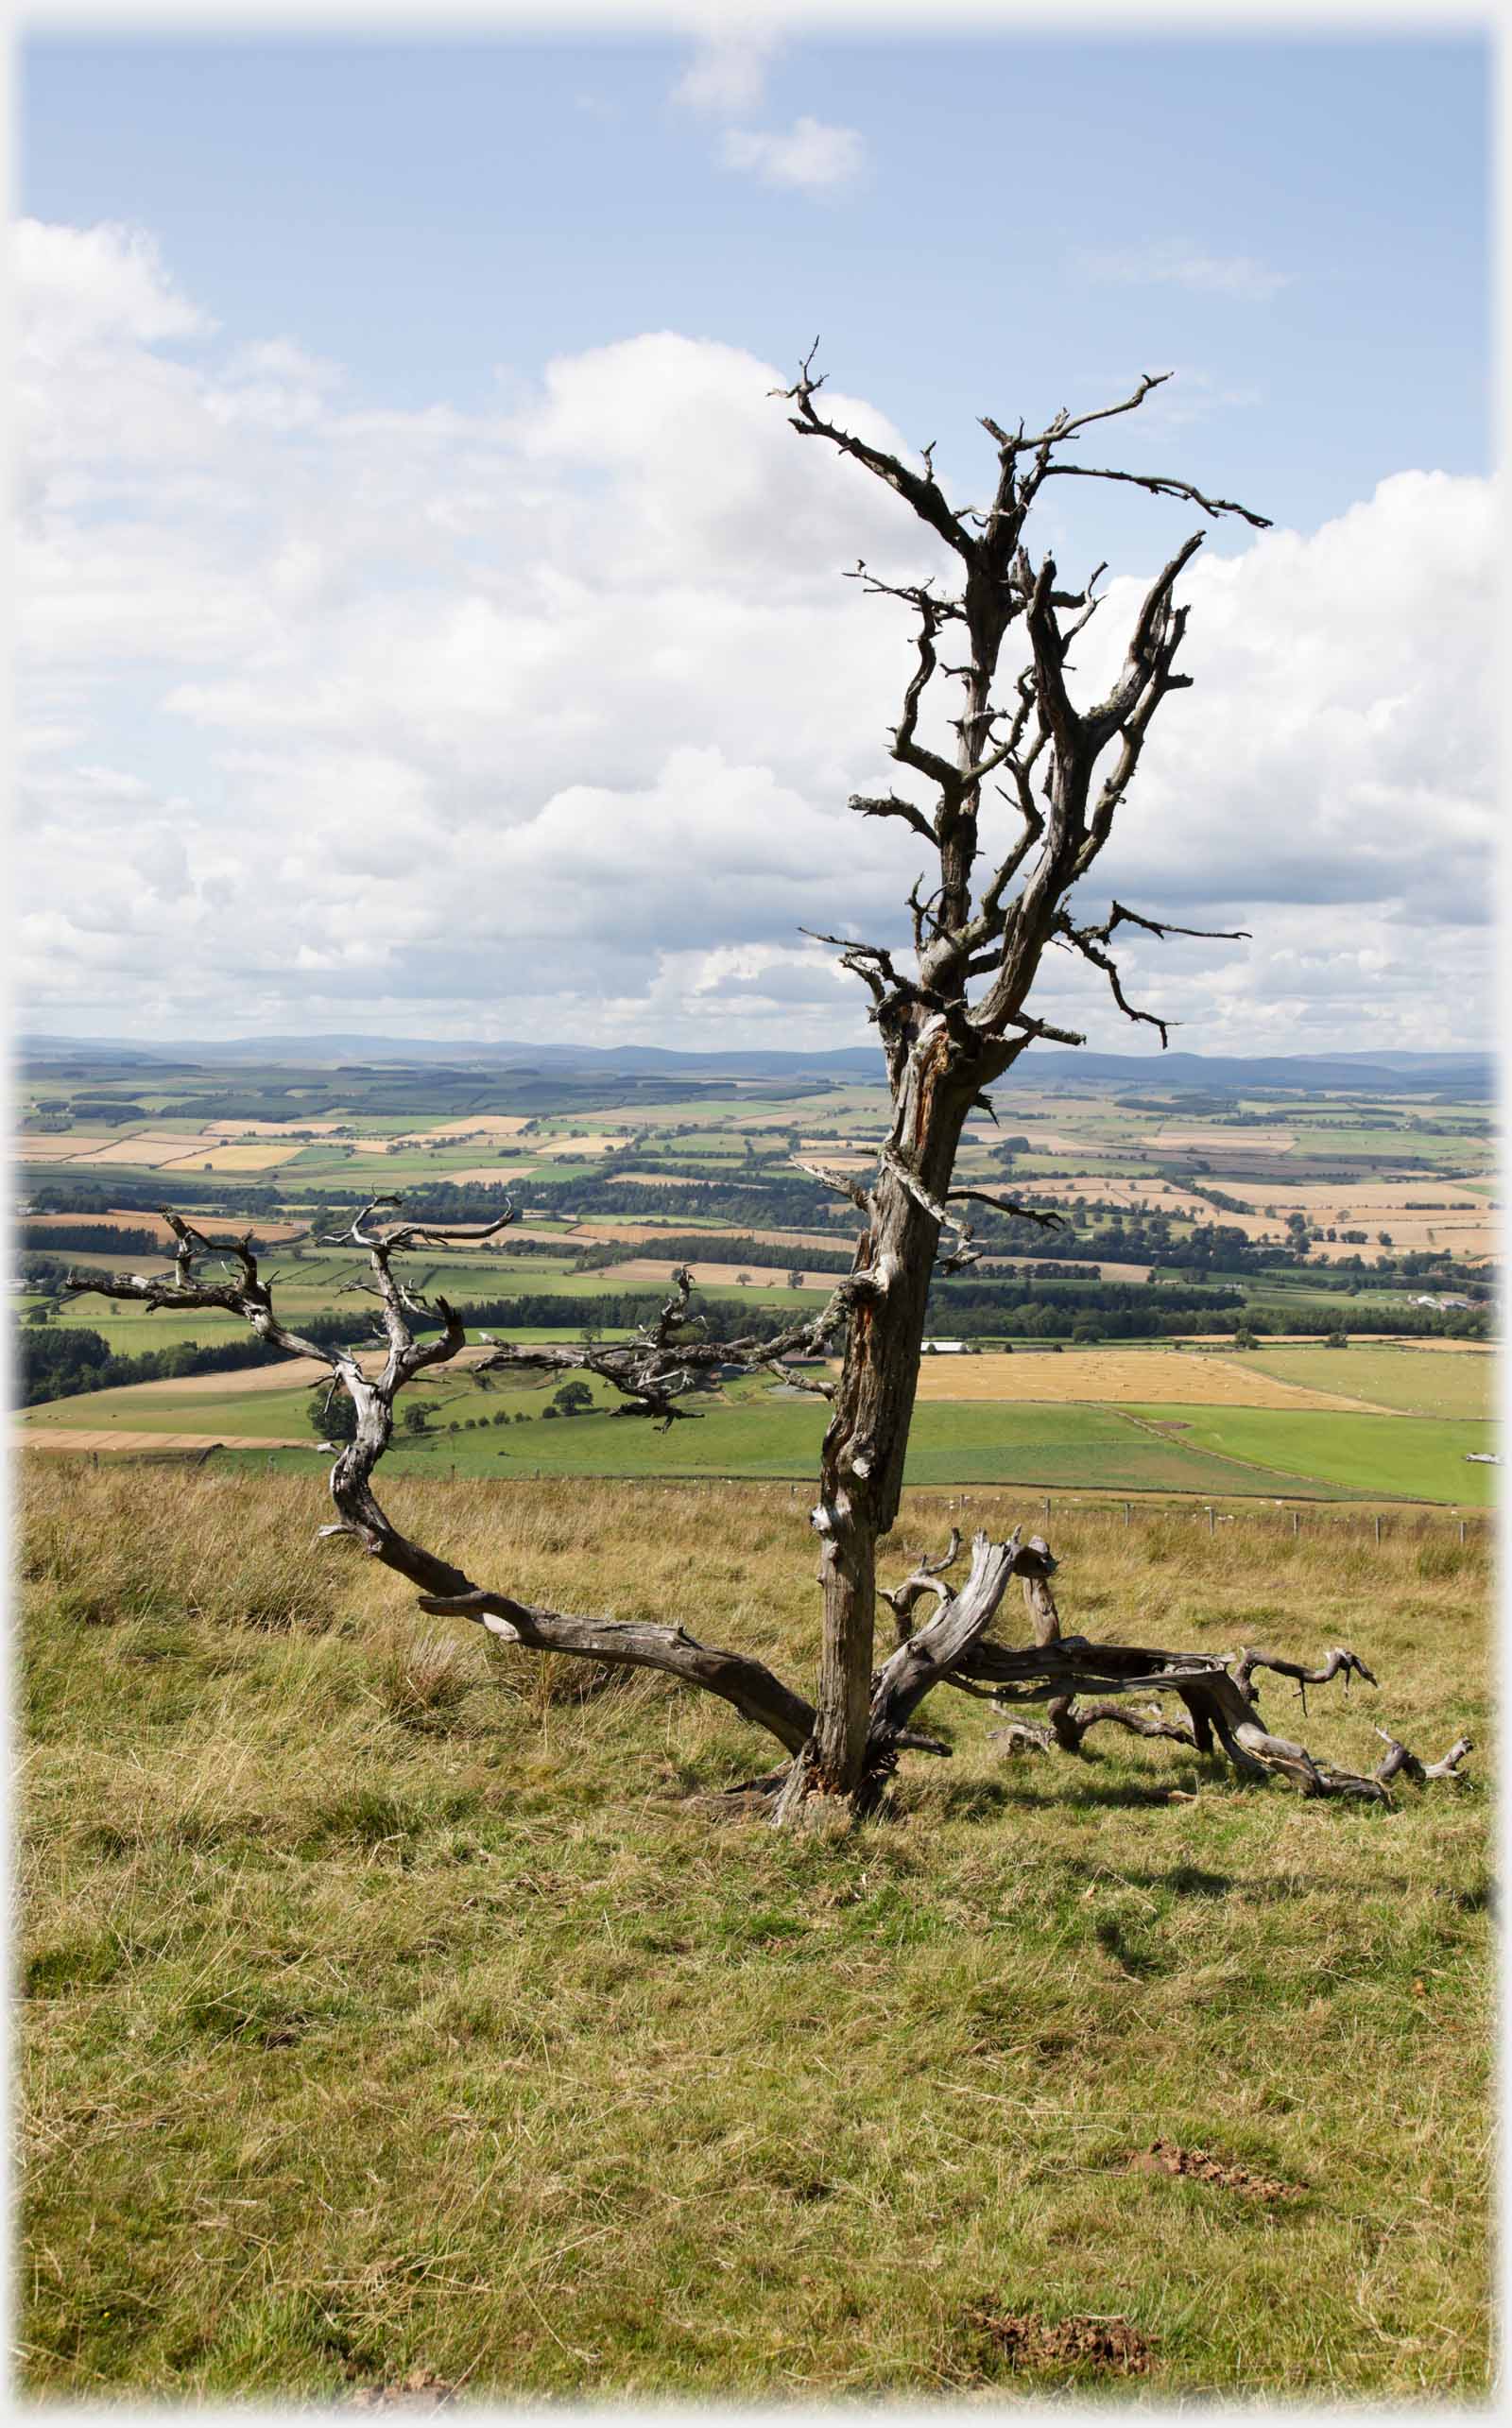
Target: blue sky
x=437, y=216
x=1297, y=228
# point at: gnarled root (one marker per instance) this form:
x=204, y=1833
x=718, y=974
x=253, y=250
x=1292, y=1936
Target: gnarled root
x=1221, y=1700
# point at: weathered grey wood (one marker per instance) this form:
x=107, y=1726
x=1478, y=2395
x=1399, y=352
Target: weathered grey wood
x=633, y=1644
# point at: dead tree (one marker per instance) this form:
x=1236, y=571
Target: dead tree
x=995, y=898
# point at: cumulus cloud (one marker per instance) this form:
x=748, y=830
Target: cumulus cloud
x=85, y=285
x=812, y=157
x=727, y=74
x=543, y=722
x=1179, y=263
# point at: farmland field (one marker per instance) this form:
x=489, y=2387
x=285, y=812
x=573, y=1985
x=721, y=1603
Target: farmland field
x=1425, y=1382
x=1184, y=1213
x=1134, y=1374
x=1414, y=1459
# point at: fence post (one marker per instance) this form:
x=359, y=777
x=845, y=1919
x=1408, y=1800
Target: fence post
x=1210, y=1522
x=1126, y=1513
x=1462, y=1529
x=1377, y=1533
x=1295, y=1522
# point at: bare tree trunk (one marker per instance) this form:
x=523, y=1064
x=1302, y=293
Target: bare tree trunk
x=866, y=1443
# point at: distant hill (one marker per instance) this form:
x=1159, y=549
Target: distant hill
x=1384, y=1073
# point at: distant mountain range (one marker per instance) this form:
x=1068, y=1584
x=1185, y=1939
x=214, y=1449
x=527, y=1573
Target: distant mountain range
x=1382, y=1072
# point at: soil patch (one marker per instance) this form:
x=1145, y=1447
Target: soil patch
x=1169, y=2158
x=1111, y=2347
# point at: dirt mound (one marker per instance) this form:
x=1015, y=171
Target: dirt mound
x=1112, y=2346
x=1168, y=2158
x=422, y=2390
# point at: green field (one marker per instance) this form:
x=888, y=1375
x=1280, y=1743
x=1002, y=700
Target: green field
x=1420, y=1382
x=1440, y=1402
x=1413, y=1459
x=1160, y=1447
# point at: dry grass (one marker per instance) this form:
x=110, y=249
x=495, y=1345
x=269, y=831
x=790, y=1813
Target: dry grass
x=382, y=2022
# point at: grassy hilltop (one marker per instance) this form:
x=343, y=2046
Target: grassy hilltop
x=388, y=2011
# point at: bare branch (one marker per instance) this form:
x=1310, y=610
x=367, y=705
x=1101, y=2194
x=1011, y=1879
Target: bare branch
x=632, y=1644
x=1159, y=485
x=889, y=805
x=1046, y=1218
x=924, y=495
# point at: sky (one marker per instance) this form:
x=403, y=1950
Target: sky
x=432, y=628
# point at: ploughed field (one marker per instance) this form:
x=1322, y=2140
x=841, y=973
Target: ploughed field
x=392, y=2018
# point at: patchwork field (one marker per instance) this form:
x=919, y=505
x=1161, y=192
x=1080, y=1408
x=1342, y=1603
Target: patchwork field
x=297, y=1150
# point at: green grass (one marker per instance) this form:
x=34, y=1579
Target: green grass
x=1223, y=1453
x=385, y=2011
x=1420, y=1382
x=1414, y=1459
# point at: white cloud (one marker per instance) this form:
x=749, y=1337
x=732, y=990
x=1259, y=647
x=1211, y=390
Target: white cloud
x=1180, y=264
x=86, y=285
x=544, y=721
x=812, y=157
x=728, y=76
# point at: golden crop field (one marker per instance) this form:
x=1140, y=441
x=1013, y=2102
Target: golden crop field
x=231, y=1159
x=143, y=1148
x=472, y=1124
x=110, y=1439
x=1136, y=1376
x=1332, y=1199
x=124, y=1220
x=1462, y=1235
x=270, y=1128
